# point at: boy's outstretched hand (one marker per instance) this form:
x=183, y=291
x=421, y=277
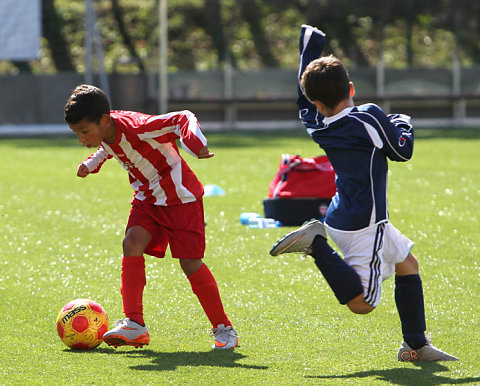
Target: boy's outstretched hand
x=82, y=171
x=205, y=153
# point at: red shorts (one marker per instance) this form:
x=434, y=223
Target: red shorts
x=180, y=226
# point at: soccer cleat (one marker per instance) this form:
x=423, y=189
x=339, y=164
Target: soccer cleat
x=300, y=240
x=225, y=337
x=427, y=353
x=126, y=332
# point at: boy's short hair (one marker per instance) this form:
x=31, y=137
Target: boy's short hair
x=326, y=80
x=86, y=102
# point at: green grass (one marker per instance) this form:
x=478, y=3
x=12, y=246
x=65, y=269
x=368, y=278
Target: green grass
x=61, y=239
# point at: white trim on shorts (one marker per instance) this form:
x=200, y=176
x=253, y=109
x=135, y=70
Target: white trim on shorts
x=373, y=253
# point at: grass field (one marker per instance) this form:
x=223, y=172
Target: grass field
x=61, y=239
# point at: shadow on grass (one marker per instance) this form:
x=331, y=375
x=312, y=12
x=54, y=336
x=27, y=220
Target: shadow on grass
x=97, y=350
x=424, y=374
x=167, y=361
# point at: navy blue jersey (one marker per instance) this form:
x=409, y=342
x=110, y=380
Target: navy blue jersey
x=357, y=141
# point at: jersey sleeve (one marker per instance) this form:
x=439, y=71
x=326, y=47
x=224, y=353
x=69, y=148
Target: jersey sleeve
x=181, y=125
x=311, y=45
x=396, y=133
x=95, y=161
x=191, y=136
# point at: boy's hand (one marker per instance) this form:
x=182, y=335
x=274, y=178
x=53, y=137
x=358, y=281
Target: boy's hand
x=205, y=153
x=82, y=171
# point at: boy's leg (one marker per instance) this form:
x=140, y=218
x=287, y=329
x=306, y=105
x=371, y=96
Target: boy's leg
x=205, y=287
x=133, y=282
x=311, y=238
x=409, y=302
x=187, y=243
x=132, y=330
x=341, y=277
x=133, y=279
x=410, y=305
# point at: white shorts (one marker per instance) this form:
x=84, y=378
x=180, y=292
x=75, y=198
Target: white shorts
x=373, y=253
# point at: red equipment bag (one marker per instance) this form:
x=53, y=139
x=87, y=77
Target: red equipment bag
x=303, y=177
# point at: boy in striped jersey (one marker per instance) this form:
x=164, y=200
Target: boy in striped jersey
x=358, y=140
x=166, y=208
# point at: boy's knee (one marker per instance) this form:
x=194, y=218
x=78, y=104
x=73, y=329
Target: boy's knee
x=358, y=305
x=135, y=241
x=190, y=266
x=129, y=243
x=361, y=310
x=408, y=267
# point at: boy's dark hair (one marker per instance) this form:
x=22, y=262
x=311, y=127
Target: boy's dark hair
x=326, y=80
x=86, y=102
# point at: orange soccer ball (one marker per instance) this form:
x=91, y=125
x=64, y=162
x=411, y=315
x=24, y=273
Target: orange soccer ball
x=81, y=324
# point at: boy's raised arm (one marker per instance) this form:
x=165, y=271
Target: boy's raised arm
x=94, y=162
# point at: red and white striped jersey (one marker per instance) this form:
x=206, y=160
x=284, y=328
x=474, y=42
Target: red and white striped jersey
x=146, y=148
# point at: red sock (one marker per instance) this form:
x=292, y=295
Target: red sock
x=205, y=287
x=133, y=281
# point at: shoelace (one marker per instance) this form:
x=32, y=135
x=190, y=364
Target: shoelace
x=219, y=332
x=119, y=322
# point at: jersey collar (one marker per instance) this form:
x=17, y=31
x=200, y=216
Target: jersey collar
x=328, y=120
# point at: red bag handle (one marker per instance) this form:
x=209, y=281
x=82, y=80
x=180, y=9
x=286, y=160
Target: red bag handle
x=325, y=167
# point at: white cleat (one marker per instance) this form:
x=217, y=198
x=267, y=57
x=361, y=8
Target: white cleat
x=300, y=240
x=427, y=353
x=225, y=337
x=126, y=332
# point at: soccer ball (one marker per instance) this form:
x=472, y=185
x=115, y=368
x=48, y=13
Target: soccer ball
x=81, y=324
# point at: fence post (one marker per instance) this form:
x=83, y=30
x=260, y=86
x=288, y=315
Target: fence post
x=230, y=108
x=163, y=57
x=459, y=103
x=380, y=80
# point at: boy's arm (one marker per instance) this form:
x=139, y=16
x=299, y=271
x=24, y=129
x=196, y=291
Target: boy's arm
x=401, y=137
x=191, y=137
x=93, y=163
x=205, y=153
x=311, y=45
x=181, y=125
x=396, y=133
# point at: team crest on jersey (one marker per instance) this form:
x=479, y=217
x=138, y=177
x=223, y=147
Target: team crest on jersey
x=403, y=140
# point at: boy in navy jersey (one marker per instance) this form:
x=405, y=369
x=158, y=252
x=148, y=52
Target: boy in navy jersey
x=358, y=140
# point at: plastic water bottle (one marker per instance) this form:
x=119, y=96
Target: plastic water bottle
x=260, y=222
x=245, y=216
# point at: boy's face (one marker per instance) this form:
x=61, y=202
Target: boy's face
x=90, y=134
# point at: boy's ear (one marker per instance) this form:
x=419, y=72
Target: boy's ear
x=105, y=120
x=320, y=106
x=352, y=90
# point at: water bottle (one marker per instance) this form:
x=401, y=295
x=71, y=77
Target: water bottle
x=260, y=222
x=245, y=216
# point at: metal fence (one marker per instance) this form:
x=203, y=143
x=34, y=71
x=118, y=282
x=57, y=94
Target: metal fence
x=253, y=99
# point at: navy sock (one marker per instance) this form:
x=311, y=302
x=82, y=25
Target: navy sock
x=341, y=277
x=409, y=301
